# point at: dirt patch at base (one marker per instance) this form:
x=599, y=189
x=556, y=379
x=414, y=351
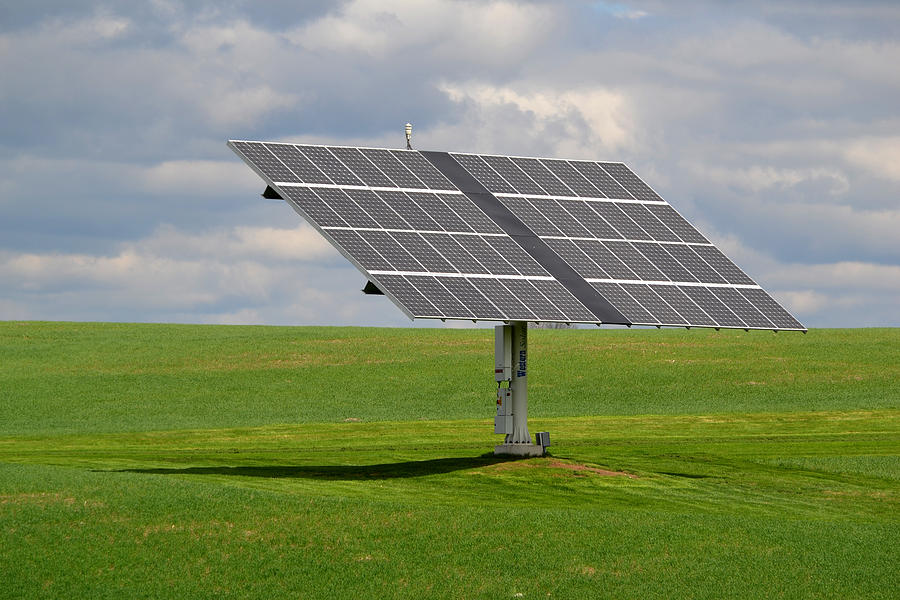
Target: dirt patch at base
x=555, y=463
x=558, y=464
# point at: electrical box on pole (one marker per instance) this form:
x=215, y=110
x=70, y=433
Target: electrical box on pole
x=503, y=363
x=503, y=353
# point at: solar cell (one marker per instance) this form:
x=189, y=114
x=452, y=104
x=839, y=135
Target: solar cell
x=554, y=291
x=601, y=180
x=486, y=255
x=438, y=210
x=606, y=259
x=572, y=178
x=407, y=208
x=676, y=223
x=623, y=301
x=653, y=302
x=423, y=252
x=383, y=215
x=631, y=182
x=299, y=165
x=311, y=204
x=469, y=295
x=516, y=177
x=665, y=262
x=530, y=215
x=396, y=255
x=408, y=296
x=589, y=219
x=329, y=164
x=455, y=254
x=516, y=256
x=362, y=167
x=534, y=300
x=560, y=217
x=511, y=238
x=622, y=223
x=628, y=254
x=727, y=269
x=260, y=157
x=773, y=311
x=503, y=299
x=391, y=166
x=354, y=245
x=346, y=207
x=713, y=306
x=742, y=307
x=440, y=296
x=424, y=170
x=483, y=172
x=648, y=222
x=543, y=177
x=693, y=263
x=470, y=214
x=573, y=255
x=686, y=307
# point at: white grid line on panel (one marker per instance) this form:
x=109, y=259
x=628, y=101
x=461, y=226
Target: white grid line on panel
x=415, y=231
x=684, y=283
x=472, y=275
x=364, y=187
x=591, y=239
x=582, y=198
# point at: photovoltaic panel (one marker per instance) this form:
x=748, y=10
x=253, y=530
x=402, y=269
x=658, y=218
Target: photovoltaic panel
x=467, y=236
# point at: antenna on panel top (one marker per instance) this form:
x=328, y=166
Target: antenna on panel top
x=409, y=136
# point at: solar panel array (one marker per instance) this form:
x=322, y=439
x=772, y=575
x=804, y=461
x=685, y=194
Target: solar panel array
x=508, y=244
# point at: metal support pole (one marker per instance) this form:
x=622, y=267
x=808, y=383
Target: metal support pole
x=517, y=441
x=519, y=385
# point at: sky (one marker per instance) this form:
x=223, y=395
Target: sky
x=773, y=126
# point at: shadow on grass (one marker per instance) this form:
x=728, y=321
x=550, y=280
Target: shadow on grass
x=413, y=468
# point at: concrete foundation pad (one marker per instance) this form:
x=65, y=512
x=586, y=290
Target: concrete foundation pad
x=518, y=450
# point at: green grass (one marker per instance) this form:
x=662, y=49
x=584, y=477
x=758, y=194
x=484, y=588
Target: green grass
x=199, y=461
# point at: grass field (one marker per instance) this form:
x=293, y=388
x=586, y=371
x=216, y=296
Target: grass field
x=278, y=462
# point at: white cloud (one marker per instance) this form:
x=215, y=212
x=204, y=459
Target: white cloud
x=572, y=122
x=493, y=32
x=756, y=178
x=878, y=156
x=239, y=275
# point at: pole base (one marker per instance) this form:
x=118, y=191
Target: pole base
x=519, y=450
